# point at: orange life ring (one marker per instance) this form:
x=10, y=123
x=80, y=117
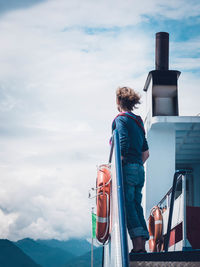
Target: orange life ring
x=155, y=229
x=103, y=203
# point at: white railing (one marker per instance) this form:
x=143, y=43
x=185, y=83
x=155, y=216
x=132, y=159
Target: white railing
x=179, y=211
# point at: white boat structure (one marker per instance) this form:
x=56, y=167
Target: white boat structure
x=172, y=175
x=174, y=143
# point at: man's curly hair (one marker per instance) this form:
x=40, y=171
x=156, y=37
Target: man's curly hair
x=127, y=98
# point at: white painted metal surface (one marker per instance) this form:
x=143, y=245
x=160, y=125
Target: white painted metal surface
x=112, y=251
x=179, y=215
x=174, y=143
x=184, y=210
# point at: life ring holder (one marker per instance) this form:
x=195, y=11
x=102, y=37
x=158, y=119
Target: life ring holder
x=107, y=167
x=107, y=218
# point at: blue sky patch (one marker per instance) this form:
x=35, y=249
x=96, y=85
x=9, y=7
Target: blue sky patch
x=180, y=30
x=99, y=30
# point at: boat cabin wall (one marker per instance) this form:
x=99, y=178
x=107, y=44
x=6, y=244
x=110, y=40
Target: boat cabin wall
x=193, y=183
x=160, y=166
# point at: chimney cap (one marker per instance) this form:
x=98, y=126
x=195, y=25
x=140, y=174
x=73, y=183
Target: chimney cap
x=163, y=34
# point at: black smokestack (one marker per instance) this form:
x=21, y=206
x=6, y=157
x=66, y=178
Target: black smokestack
x=162, y=51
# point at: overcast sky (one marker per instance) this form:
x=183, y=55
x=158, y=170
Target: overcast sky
x=61, y=62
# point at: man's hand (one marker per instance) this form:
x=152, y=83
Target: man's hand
x=145, y=155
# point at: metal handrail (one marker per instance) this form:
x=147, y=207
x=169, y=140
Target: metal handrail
x=187, y=171
x=168, y=193
x=121, y=205
x=120, y=197
x=176, y=177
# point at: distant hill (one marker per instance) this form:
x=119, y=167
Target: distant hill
x=55, y=253
x=84, y=260
x=44, y=255
x=12, y=256
x=77, y=247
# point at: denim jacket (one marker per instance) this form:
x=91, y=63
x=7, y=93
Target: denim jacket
x=132, y=137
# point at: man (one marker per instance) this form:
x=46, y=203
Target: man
x=134, y=151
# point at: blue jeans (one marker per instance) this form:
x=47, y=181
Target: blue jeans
x=133, y=181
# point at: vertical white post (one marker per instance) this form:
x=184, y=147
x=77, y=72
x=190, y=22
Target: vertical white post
x=184, y=209
x=167, y=201
x=92, y=241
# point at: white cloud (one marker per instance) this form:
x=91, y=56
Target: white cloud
x=57, y=102
x=6, y=222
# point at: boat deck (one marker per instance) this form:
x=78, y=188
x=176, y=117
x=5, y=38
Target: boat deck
x=164, y=264
x=165, y=259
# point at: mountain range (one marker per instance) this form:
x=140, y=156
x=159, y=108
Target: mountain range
x=12, y=256
x=48, y=253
